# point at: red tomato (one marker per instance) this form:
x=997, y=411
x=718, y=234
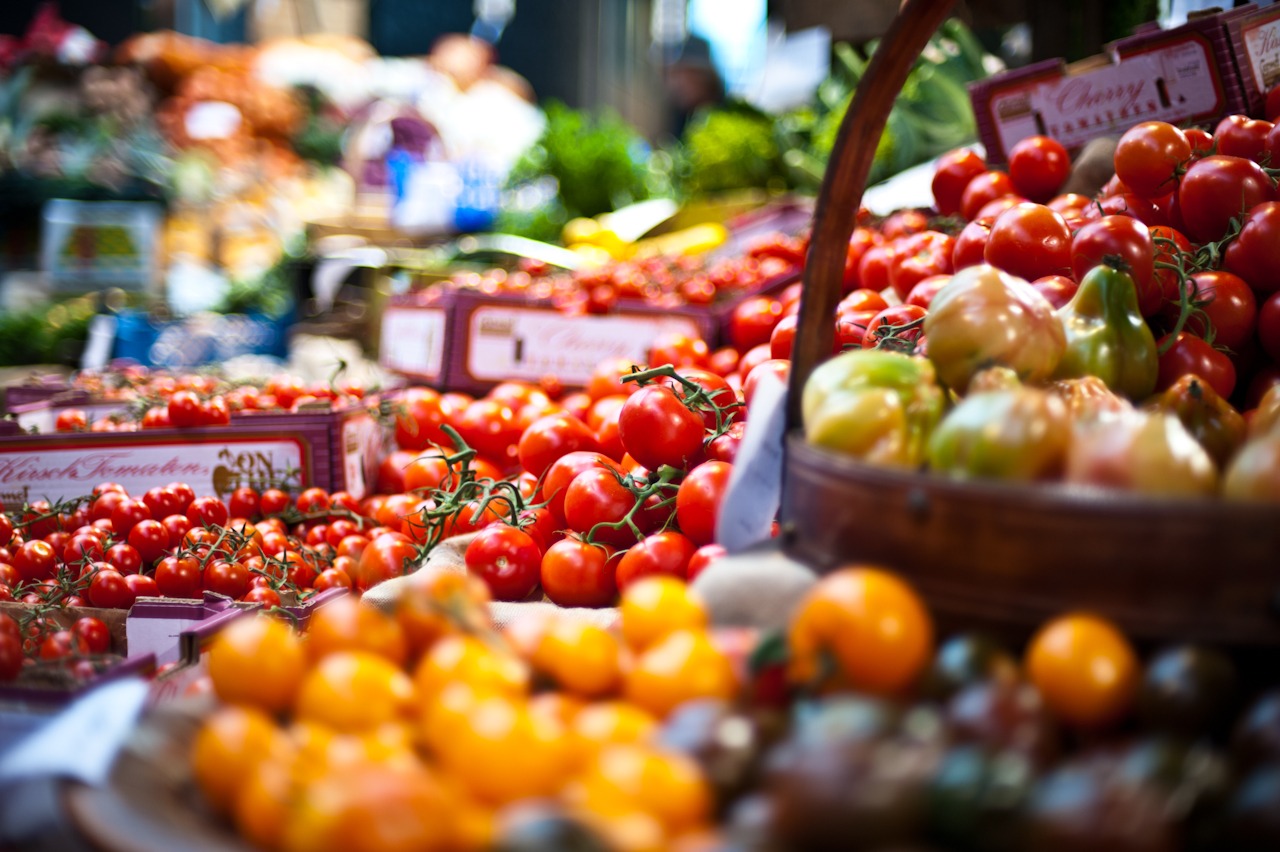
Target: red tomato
x=108, y=589
x=678, y=350
x=565, y=469
x=725, y=447
x=982, y=190
x=904, y=223
x=861, y=300
x=1190, y=354
x=141, y=586
x=596, y=496
x=577, y=574
x=507, y=560
x=385, y=557
x=207, y=512
x=93, y=632
x=100, y=509
x=971, y=246
x=1255, y=253
x=752, y=322
x=127, y=514
x=717, y=390
x=777, y=367
x=665, y=553
x=61, y=645
x=332, y=578
x=226, y=578
x=11, y=656
x=489, y=427
x=1038, y=167
x=918, y=257
x=1228, y=304
x=1029, y=241
x=184, y=410
x=1128, y=240
x=702, y=559
x=724, y=361
x=1214, y=191
x=178, y=577
x=993, y=209
x=1058, y=289
x=698, y=500
x=419, y=416
x=150, y=539
x=35, y=561
x=922, y=294
x=657, y=428
x=1169, y=245
x=163, y=502
x=551, y=438
x=783, y=339
x=1144, y=210
x=1148, y=155
x=71, y=420
x=1269, y=326
x=1241, y=136
x=953, y=174
x=81, y=548
x=860, y=242
x=893, y=321
x=873, y=269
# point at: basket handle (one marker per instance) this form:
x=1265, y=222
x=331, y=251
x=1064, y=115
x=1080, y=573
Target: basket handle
x=844, y=182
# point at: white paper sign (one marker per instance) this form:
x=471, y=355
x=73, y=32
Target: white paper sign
x=527, y=344
x=75, y=466
x=412, y=340
x=755, y=489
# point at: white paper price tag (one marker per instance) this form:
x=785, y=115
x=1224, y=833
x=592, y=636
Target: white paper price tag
x=755, y=488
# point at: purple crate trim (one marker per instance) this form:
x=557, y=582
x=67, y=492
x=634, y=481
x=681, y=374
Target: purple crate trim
x=196, y=639
x=143, y=665
x=167, y=608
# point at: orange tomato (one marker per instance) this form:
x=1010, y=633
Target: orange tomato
x=684, y=666
x=507, y=752
x=228, y=746
x=346, y=624
x=1084, y=668
x=656, y=606
x=446, y=603
x=666, y=785
x=468, y=659
x=387, y=808
x=258, y=661
x=608, y=723
x=261, y=805
x=582, y=658
x=869, y=623
x=354, y=691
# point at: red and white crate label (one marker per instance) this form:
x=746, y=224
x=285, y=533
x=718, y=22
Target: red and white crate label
x=1169, y=83
x=412, y=340
x=32, y=471
x=1262, y=49
x=527, y=344
x=361, y=441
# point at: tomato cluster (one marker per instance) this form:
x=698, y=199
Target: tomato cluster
x=580, y=495
x=1192, y=217
x=658, y=281
x=158, y=400
x=47, y=645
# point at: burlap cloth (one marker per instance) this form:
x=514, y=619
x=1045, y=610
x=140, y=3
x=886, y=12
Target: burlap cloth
x=758, y=588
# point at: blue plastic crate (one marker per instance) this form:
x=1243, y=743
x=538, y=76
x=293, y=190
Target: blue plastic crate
x=198, y=340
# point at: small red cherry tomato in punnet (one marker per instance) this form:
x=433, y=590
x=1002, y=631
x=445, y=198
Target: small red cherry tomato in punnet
x=953, y=173
x=1038, y=167
x=1029, y=241
x=142, y=586
x=71, y=420
x=178, y=577
x=982, y=190
x=1123, y=239
x=698, y=500
x=665, y=553
x=1213, y=192
x=657, y=429
x=507, y=560
x=109, y=590
x=1190, y=354
x=577, y=574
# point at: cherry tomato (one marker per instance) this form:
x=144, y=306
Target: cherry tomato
x=385, y=557
x=596, y=496
x=776, y=367
x=507, y=560
x=61, y=645
x=564, y=470
x=226, y=578
x=1227, y=303
x=490, y=427
x=922, y=294
x=551, y=438
x=658, y=429
x=1038, y=167
x=419, y=416
x=150, y=539
x=982, y=190
x=141, y=586
x=178, y=577
x=1125, y=239
x=93, y=632
x=918, y=257
x=752, y=322
x=1190, y=354
x=1148, y=156
x=108, y=589
x=665, y=553
x=1169, y=244
x=873, y=269
x=1215, y=190
x=1085, y=669
x=953, y=174
x=71, y=420
x=703, y=558
x=861, y=300
x=678, y=350
x=207, y=512
x=1029, y=241
x=576, y=574
x=35, y=561
x=860, y=242
x=698, y=500
x=184, y=410
x=313, y=500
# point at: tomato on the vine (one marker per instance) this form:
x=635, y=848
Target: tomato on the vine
x=658, y=429
x=1148, y=157
x=1029, y=241
x=551, y=438
x=1254, y=254
x=894, y=321
x=1038, y=167
x=1228, y=305
x=665, y=553
x=598, y=496
x=698, y=500
x=178, y=577
x=507, y=559
x=1215, y=190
